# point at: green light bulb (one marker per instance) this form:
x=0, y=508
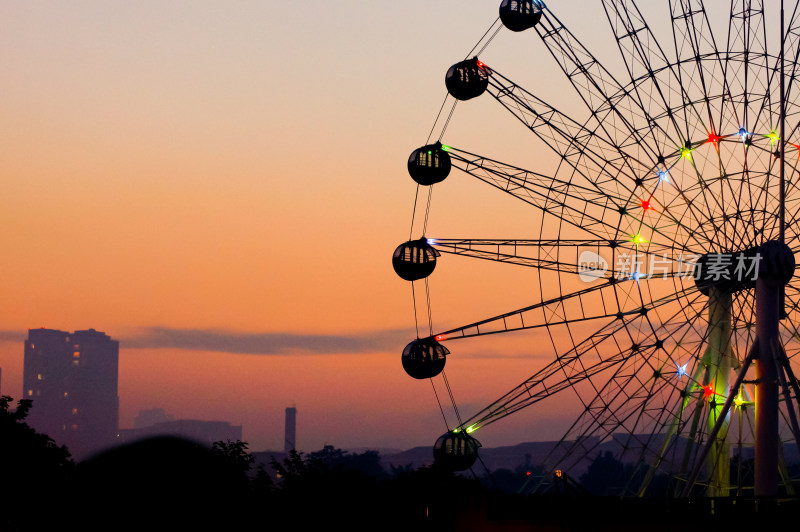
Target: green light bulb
x=773, y=137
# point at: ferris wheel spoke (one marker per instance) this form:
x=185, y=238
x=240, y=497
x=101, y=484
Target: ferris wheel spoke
x=549, y=254
x=792, y=195
x=792, y=50
x=594, y=157
x=624, y=387
x=587, y=359
x=556, y=311
x=790, y=325
x=746, y=62
x=761, y=91
x=564, y=372
x=688, y=208
x=678, y=333
x=792, y=227
x=546, y=186
x=761, y=82
x=625, y=409
x=694, y=42
x=521, y=252
x=730, y=117
x=793, y=207
x=649, y=70
x=623, y=400
x=585, y=153
x=583, y=206
x=588, y=209
x=613, y=108
x=633, y=396
x=767, y=202
x=712, y=204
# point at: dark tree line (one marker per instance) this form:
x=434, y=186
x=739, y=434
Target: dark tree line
x=174, y=484
x=167, y=483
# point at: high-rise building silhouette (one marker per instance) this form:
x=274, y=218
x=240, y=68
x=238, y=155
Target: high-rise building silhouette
x=290, y=430
x=72, y=379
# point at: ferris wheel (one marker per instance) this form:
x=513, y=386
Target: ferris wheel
x=665, y=252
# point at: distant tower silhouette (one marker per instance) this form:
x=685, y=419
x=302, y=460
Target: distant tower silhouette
x=72, y=379
x=291, y=430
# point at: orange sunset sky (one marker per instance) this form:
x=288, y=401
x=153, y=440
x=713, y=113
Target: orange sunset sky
x=220, y=185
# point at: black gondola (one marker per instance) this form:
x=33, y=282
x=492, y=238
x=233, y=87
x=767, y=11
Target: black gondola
x=467, y=79
x=519, y=15
x=429, y=164
x=456, y=451
x=424, y=358
x=414, y=260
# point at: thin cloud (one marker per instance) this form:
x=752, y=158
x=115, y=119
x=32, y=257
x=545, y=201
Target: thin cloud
x=277, y=343
x=12, y=336
x=222, y=341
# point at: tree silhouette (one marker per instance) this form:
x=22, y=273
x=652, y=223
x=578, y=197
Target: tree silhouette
x=234, y=455
x=339, y=486
x=32, y=465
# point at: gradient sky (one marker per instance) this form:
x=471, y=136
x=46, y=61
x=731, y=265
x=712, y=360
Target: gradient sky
x=219, y=185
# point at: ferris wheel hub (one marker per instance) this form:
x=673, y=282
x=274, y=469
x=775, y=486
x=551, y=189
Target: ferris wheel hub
x=727, y=273
x=736, y=271
x=777, y=263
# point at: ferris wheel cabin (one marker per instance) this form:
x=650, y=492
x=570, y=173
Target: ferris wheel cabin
x=467, y=79
x=456, y=451
x=414, y=260
x=519, y=15
x=429, y=164
x=424, y=358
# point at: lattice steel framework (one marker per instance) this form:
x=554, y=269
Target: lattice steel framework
x=679, y=161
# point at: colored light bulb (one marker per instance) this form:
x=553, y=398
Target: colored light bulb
x=708, y=391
